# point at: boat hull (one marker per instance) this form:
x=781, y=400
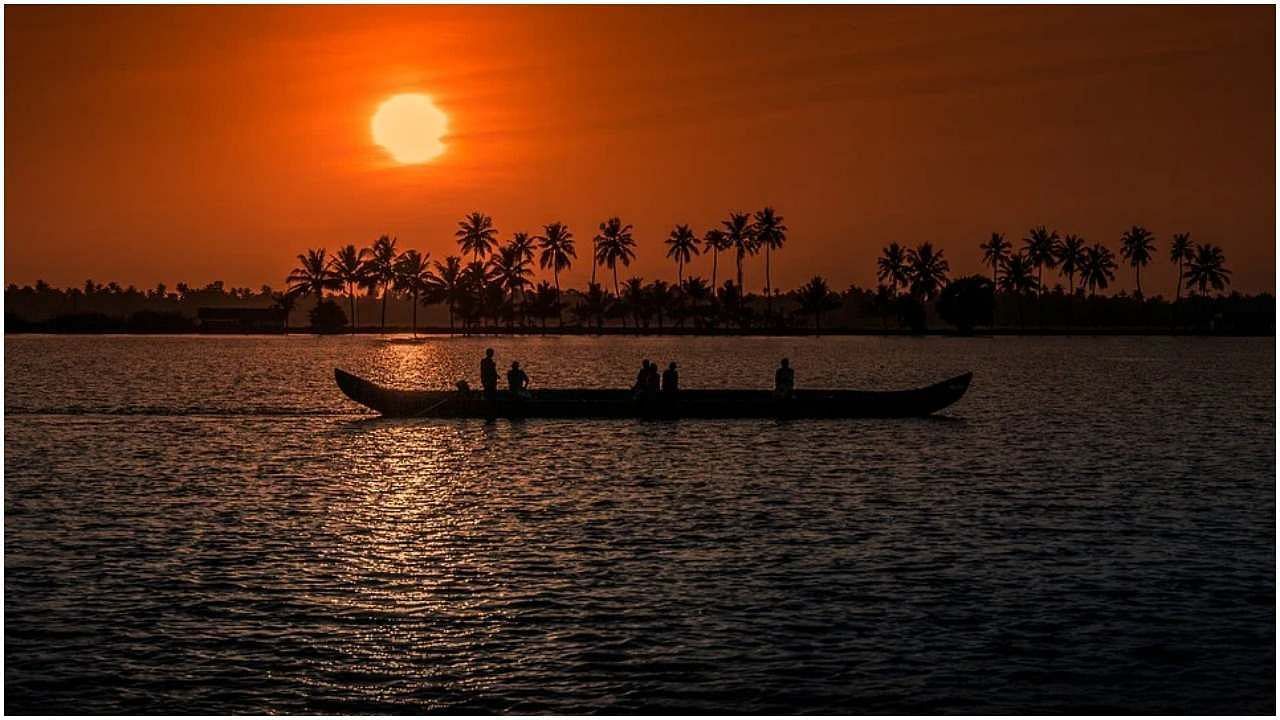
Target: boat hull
x=917, y=402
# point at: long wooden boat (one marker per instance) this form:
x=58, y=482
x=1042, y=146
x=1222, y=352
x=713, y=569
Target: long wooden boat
x=581, y=403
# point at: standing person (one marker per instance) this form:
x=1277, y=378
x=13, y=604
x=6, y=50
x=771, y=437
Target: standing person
x=671, y=379
x=784, y=380
x=489, y=381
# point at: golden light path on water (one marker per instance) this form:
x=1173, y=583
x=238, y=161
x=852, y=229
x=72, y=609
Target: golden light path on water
x=241, y=538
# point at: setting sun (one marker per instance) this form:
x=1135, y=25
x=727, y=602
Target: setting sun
x=410, y=127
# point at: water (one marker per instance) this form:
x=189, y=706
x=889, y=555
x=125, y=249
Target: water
x=206, y=525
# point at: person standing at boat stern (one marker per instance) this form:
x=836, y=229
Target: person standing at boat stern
x=784, y=380
x=489, y=380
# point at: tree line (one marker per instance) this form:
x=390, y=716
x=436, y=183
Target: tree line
x=490, y=282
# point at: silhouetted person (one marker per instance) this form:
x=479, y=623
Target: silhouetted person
x=647, y=381
x=517, y=380
x=641, y=376
x=671, y=379
x=784, y=380
x=489, y=381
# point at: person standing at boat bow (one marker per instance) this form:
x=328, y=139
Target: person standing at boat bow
x=489, y=381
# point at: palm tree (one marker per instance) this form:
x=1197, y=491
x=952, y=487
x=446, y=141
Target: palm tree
x=614, y=244
x=612, y=232
x=996, y=253
x=312, y=276
x=509, y=270
x=661, y=298
x=349, y=266
x=683, y=246
x=545, y=302
x=816, y=298
x=382, y=271
x=524, y=246
x=285, y=302
x=891, y=266
x=771, y=234
x=636, y=300
x=1136, y=246
x=413, y=277
x=476, y=235
x=1041, y=246
x=1071, y=256
x=447, y=284
x=557, y=249
x=927, y=270
x=698, y=294
x=1099, y=268
x=713, y=242
x=1018, y=280
x=1207, y=269
x=740, y=235
x=1181, y=251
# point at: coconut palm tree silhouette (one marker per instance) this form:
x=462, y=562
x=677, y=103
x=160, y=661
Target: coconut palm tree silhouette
x=312, y=276
x=1208, y=269
x=476, y=235
x=524, y=246
x=995, y=253
x=891, y=267
x=682, y=246
x=1099, y=268
x=713, y=242
x=558, y=254
x=412, y=277
x=1018, y=280
x=1137, y=245
x=740, y=235
x=1071, y=256
x=927, y=270
x=509, y=270
x=349, y=267
x=616, y=235
x=770, y=234
x=447, y=284
x=1041, y=246
x=382, y=271
x=615, y=245
x=1181, y=251
x=816, y=298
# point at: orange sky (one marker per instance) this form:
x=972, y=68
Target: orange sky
x=154, y=144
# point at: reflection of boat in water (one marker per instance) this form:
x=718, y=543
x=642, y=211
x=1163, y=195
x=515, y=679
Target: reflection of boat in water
x=582, y=403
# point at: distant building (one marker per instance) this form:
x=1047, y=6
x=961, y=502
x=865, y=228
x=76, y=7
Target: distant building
x=241, y=320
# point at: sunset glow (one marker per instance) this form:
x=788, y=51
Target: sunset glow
x=410, y=127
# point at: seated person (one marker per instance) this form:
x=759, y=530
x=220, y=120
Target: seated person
x=670, y=379
x=784, y=380
x=517, y=380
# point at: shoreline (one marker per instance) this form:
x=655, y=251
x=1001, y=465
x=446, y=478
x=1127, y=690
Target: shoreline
x=686, y=332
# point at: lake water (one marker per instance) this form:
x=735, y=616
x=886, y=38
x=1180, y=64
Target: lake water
x=204, y=524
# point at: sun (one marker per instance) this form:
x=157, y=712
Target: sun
x=410, y=127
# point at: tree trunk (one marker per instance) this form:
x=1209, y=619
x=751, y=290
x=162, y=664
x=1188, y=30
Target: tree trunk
x=593, y=261
x=559, y=314
x=1137, y=277
x=768, y=284
x=715, y=263
x=384, y=307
